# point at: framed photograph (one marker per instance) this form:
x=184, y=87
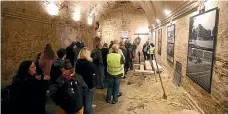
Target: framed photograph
x=170, y=42
x=201, y=45
x=159, y=41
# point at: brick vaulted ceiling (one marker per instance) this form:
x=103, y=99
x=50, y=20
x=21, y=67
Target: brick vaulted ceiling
x=152, y=9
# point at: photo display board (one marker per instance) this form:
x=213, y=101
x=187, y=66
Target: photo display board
x=170, y=42
x=201, y=45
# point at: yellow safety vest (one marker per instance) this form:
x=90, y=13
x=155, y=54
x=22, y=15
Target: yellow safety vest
x=151, y=50
x=114, y=66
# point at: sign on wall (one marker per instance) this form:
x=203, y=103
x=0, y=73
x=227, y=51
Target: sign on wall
x=159, y=41
x=177, y=73
x=124, y=34
x=170, y=42
x=202, y=37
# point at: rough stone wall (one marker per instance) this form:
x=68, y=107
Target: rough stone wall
x=216, y=102
x=134, y=21
x=26, y=28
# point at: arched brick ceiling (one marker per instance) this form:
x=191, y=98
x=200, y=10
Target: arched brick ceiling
x=152, y=9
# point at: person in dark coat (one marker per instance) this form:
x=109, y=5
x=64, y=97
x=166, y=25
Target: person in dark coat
x=105, y=51
x=87, y=70
x=70, y=55
x=124, y=50
x=69, y=90
x=55, y=68
x=145, y=50
x=76, y=51
x=28, y=91
x=98, y=61
x=111, y=44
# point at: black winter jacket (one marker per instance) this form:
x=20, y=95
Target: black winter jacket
x=55, y=69
x=69, y=94
x=87, y=70
x=27, y=97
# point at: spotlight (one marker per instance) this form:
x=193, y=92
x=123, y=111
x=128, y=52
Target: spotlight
x=167, y=12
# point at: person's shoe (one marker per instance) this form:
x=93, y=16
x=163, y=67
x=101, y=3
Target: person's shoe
x=114, y=102
x=120, y=94
x=107, y=101
x=94, y=105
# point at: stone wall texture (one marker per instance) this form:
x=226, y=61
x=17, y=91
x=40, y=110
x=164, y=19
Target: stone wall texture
x=216, y=102
x=124, y=18
x=26, y=28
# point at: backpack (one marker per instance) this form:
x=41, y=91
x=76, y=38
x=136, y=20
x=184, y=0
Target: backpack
x=145, y=49
x=69, y=95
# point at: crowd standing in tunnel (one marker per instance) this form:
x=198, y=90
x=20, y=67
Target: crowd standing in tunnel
x=72, y=81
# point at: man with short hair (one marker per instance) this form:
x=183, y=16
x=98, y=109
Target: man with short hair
x=55, y=68
x=145, y=50
x=98, y=61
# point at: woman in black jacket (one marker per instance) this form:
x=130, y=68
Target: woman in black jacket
x=28, y=92
x=87, y=70
x=68, y=91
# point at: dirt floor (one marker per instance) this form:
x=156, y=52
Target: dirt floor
x=143, y=95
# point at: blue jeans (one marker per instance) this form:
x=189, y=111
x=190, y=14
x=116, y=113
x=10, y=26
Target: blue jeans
x=88, y=106
x=100, y=77
x=113, y=89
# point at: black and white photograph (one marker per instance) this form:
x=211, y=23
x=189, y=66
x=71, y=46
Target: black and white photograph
x=159, y=41
x=202, y=38
x=170, y=52
x=171, y=33
x=170, y=42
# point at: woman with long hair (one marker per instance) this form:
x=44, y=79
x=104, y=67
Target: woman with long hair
x=46, y=59
x=87, y=70
x=28, y=91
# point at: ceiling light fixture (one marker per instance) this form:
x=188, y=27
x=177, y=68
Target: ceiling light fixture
x=157, y=20
x=90, y=19
x=167, y=12
x=76, y=14
x=52, y=8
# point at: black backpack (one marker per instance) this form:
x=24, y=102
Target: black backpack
x=69, y=95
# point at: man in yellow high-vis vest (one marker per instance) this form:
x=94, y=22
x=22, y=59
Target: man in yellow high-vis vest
x=151, y=51
x=115, y=70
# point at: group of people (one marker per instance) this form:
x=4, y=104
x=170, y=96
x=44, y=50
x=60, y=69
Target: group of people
x=148, y=51
x=70, y=76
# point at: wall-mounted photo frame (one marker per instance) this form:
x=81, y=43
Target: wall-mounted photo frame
x=201, y=46
x=159, y=41
x=124, y=34
x=170, y=42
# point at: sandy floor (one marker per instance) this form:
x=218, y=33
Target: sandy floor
x=143, y=95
